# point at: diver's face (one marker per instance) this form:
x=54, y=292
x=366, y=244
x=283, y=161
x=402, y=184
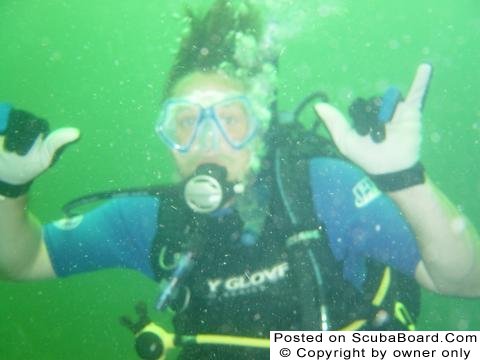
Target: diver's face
x=209, y=146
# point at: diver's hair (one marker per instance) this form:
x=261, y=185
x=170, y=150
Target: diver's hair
x=211, y=38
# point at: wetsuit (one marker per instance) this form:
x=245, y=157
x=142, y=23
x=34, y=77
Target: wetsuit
x=241, y=288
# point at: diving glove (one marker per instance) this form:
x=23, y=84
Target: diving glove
x=392, y=160
x=27, y=148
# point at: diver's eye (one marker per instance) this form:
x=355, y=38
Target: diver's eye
x=186, y=122
x=230, y=120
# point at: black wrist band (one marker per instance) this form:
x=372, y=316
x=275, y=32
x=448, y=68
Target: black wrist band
x=13, y=191
x=399, y=180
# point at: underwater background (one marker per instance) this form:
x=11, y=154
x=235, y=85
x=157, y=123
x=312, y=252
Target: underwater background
x=100, y=66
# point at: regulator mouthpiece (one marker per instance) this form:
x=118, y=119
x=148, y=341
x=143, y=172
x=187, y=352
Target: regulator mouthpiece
x=208, y=189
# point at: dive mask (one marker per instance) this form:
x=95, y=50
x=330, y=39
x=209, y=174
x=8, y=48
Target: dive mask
x=182, y=123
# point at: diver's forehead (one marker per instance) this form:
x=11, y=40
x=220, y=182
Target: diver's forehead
x=208, y=97
x=207, y=87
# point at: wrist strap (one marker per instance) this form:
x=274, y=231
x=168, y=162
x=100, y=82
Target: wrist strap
x=13, y=191
x=399, y=180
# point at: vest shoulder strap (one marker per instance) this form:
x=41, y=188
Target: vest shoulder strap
x=385, y=288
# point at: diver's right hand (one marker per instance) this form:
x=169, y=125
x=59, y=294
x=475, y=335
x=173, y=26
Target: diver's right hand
x=27, y=148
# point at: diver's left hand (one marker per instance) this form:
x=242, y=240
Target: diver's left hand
x=401, y=148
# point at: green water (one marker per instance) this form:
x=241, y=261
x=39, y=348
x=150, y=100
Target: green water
x=100, y=66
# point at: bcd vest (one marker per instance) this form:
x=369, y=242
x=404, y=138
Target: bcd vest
x=249, y=289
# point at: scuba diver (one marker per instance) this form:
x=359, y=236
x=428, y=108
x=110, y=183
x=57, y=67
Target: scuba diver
x=272, y=227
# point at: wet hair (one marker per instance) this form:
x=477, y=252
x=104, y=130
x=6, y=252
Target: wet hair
x=211, y=42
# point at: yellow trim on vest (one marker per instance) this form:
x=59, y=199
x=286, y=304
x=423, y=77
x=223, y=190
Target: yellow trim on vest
x=383, y=288
x=356, y=325
x=403, y=315
x=161, y=259
x=232, y=340
x=378, y=298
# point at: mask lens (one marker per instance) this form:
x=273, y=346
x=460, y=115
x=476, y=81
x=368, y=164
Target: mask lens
x=236, y=119
x=179, y=123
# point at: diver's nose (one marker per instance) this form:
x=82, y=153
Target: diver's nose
x=208, y=136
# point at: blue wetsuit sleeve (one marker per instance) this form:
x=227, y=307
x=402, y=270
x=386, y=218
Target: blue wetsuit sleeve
x=361, y=222
x=5, y=109
x=116, y=234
